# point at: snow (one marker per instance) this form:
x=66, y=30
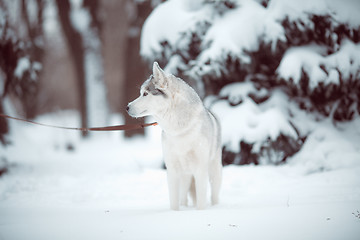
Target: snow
x=240, y=28
x=61, y=186
x=113, y=188
x=22, y=66
x=347, y=59
x=79, y=16
x=227, y=34
x=307, y=58
x=249, y=121
x=230, y=34
x=50, y=22
x=326, y=147
x=281, y=210
x=311, y=58
x=236, y=92
x=298, y=11
x=156, y=30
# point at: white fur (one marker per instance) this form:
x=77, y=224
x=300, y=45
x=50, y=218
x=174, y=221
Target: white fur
x=190, y=137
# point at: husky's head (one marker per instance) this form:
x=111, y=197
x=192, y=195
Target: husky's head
x=153, y=95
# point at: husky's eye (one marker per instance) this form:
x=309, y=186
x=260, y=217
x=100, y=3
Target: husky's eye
x=158, y=92
x=145, y=94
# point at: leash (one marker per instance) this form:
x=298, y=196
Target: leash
x=108, y=128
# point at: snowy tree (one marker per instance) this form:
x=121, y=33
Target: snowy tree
x=20, y=64
x=257, y=63
x=81, y=26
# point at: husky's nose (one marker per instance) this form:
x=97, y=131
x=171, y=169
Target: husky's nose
x=127, y=108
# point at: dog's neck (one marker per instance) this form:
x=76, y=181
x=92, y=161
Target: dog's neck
x=181, y=117
x=177, y=124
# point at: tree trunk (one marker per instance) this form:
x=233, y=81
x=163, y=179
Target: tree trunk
x=98, y=109
x=136, y=70
x=34, y=28
x=4, y=128
x=75, y=45
x=114, y=36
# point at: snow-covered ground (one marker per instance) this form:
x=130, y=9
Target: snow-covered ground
x=111, y=188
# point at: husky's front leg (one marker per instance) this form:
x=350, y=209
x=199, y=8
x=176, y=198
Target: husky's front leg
x=185, y=183
x=174, y=189
x=201, y=181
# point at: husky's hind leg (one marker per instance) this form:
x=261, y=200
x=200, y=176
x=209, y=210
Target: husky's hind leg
x=215, y=180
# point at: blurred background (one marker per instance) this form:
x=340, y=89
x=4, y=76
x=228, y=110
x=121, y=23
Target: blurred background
x=78, y=55
x=282, y=77
x=272, y=70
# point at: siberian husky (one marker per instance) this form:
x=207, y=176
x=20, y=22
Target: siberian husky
x=190, y=137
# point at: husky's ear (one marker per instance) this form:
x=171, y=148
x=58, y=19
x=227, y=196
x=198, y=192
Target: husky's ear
x=160, y=77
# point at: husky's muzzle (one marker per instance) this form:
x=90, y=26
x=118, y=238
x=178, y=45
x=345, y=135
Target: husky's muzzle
x=135, y=112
